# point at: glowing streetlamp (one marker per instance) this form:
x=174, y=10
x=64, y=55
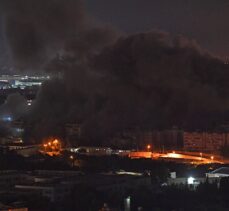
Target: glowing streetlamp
x=72, y=159
x=148, y=147
x=201, y=155
x=45, y=146
x=212, y=158
x=191, y=180
x=55, y=142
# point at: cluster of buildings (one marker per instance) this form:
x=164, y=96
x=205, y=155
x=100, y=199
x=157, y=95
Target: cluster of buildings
x=21, y=81
x=205, y=141
x=160, y=141
x=54, y=186
x=176, y=139
x=13, y=131
x=212, y=177
x=26, y=86
x=13, y=139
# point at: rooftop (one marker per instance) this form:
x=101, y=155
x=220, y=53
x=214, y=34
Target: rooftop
x=222, y=170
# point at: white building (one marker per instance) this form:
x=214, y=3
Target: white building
x=218, y=173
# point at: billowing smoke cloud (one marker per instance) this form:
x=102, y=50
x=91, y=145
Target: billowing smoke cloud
x=146, y=81
x=156, y=81
x=14, y=106
x=37, y=30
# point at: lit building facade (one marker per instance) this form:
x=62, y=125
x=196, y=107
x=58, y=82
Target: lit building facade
x=205, y=141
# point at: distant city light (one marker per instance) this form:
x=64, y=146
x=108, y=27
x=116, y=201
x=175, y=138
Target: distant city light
x=52, y=147
x=191, y=181
x=7, y=119
x=21, y=81
x=19, y=130
x=148, y=147
x=55, y=141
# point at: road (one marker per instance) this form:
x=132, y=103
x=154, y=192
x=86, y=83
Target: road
x=201, y=159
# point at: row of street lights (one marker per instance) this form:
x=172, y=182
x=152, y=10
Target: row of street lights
x=148, y=147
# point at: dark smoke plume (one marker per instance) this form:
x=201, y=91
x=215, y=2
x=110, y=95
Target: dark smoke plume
x=158, y=81
x=14, y=107
x=147, y=80
x=37, y=30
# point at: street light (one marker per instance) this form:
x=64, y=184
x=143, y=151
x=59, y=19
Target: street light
x=201, y=155
x=148, y=147
x=55, y=142
x=45, y=146
x=72, y=158
x=191, y=180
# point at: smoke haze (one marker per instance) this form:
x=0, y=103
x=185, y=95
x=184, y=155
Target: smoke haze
x=108, y=82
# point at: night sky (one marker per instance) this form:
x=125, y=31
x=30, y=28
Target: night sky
x=203, y=20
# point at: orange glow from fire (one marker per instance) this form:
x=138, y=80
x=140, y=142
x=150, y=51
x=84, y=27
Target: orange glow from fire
x=52, y=146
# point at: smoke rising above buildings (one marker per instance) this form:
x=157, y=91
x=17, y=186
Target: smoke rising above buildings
x=35, y=30
x=14, y=107
x=108, y=82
